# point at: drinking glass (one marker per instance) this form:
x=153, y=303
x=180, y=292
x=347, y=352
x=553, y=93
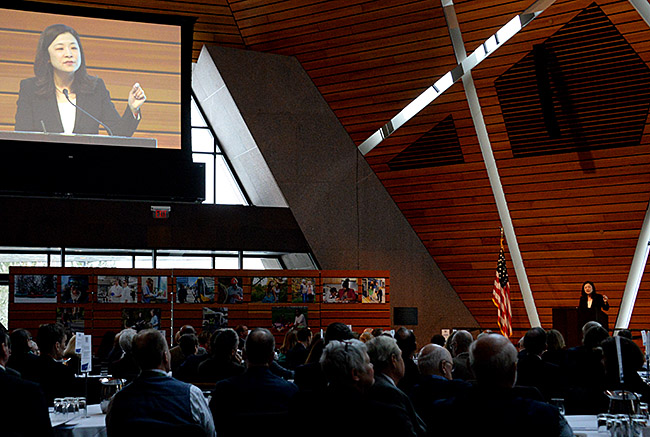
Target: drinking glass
x=82, y=406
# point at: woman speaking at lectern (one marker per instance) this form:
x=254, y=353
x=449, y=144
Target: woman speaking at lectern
x=592, y=304
x=64, y=98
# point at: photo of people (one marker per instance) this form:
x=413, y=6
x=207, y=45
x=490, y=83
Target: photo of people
x=194, y=289
x=302, y=290
x=373, y=290
x=283, y=318
x=62, y=81
x=117, y=289
x=154, y=289
x=230, y=290
x=214, y=318
x=74, y=289
x=340, y=290
x=72, y=319
x=35, y=288
x=141, y=318
x=269, y=290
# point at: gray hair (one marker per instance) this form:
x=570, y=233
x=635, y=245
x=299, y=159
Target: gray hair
x=461, y=341
x=493, y=360
x=126, y=339
x=430, y=358
x=381, y=350
x=340, y=358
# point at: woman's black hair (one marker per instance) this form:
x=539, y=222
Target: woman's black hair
x=582, y=290
x=43, y=69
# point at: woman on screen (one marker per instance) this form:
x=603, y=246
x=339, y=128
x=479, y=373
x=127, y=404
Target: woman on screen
x=64, y=98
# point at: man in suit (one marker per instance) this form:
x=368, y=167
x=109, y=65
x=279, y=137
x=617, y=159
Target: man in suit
x=388, y=364
x=435, y=364
x=154, y=402
x=22, y=404
x=460, y=343
x=495, y=407
x=249, y=403
x=56, y=379
x=532, y=371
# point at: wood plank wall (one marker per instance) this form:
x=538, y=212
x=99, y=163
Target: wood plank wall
x=577, y=215
x=101, y=317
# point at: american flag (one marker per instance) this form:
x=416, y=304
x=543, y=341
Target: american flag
x=501, y=295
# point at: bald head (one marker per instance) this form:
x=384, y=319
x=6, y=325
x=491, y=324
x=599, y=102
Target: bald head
x=460, y=342
x=435, y=360
x=493, y=360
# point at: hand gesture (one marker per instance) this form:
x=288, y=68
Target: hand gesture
x=605, y=298
x=136, y=98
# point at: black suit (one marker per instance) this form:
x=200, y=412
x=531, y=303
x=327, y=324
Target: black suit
x=433, y=388
x=34, y=109
x=56, y=379
x=23, y=407
x=533, y=371
x=384, y=390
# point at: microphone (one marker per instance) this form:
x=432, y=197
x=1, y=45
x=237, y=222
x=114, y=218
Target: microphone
x=65, y=93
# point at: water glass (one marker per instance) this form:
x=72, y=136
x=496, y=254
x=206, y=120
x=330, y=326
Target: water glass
x=58, y=406
x=82, y=406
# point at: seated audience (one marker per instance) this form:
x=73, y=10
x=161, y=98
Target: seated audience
x=257, y=401
x=22, y=359
x=176, y=351
x=348, y=410
x=491, y=407
x=55, y=378
x=460, y=352
x=532, y=371
x=126, y=367
x=155, y=403
x=406, y=342
x=438, y=339
x=70, y=357
x=388, y=365
x=436, y=382
x=188, y=371
x=224, y=360
x=556, y=352
x=297, y=355
x=22, y=402
x=632, y=359
x=290, y=340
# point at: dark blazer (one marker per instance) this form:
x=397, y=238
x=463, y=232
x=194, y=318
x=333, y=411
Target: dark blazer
x=598, y=303
x=32, y=109
x=433, y=388
x=383, y=390
x=56, y=379
x=23, y=407
x=533, y=371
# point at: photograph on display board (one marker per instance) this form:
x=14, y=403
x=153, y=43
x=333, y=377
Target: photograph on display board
x=230, y=290
x=194, y=289
x=303, y=290
x=373, y=290
x=117, y=289
x=35, y=288
x=269, y=290
x=154, y=289
x=340, y=290
x=74, y=289
x=141, y=318
x=214, y=318
x=283, y=318
x=72, y=319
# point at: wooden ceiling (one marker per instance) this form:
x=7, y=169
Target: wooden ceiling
x=573, y=158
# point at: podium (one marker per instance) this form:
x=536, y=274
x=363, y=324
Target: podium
x=569, y=321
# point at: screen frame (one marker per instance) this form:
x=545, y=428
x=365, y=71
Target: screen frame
x=186, y=25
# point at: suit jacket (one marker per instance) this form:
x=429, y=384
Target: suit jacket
x=56, y=379
x=251, y=402
x=433, y=388
x=34, y=109
x=24, y=408
x=533, y=371
x=384, y=390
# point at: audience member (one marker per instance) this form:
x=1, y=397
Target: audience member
x=297, y=355
x=56, y=379
x=224, y=361
x=22, y=402
x=126, y=367
x=290, y=340
x=436, y=382
x=22, y=359
x=632, y=361
x=257, y=401
x=155, y=403
x=460, y=352
x=176, y=351
x=556, y=352
x=388, y=365
x=438, y=339
x=70, y=357
x=104, y=350
x=406, y=342
x=532, y=371
x=492, y=404
x=242, y=332
x=188, y=371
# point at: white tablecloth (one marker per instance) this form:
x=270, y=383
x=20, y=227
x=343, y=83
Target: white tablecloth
x=585, y=426
x=92, y=426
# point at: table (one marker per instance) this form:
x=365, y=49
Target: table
x=585, y=426
x=92, y=426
